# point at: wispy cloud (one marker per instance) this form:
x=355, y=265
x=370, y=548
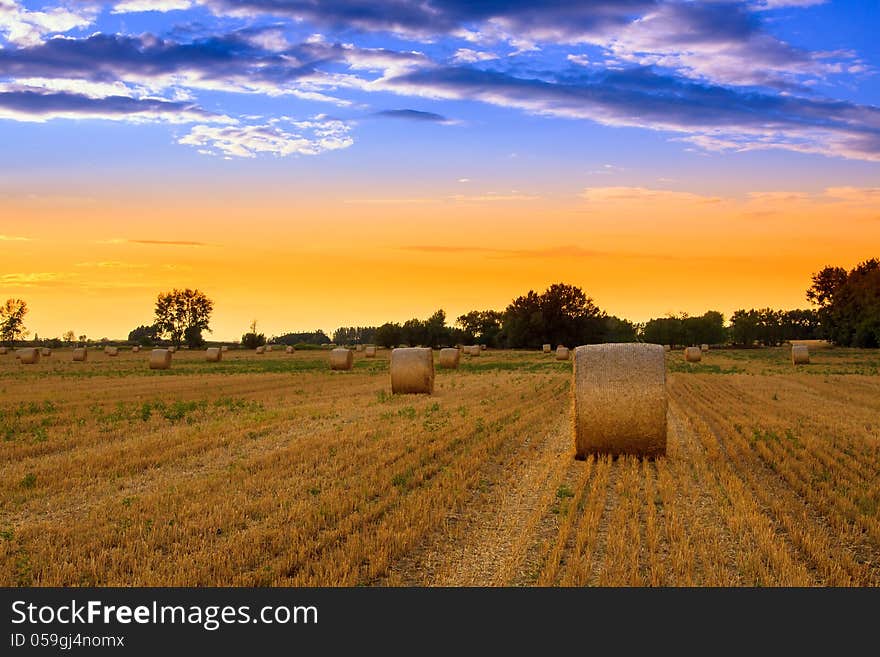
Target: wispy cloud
x=14, y=238
x=412, y=115
x=168, y=242
x=247, y=141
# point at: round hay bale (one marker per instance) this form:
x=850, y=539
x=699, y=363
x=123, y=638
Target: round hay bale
x=80, y=355
x=112, y=351
x=619, y=397
x=449, y=358
x=213, y=355
x=475, y=350
x=46, y=352
x=800, y=354
x=370, y=352
x=547, y=348
x=359, y=347
x=160, y=359
x=704, y=348
x=268, y=347
x=483, y=347
x=4, y=351
x=341, y=359
x=693, y=354
x=224, y=348
x=289, y=350
x=562, y=353
x=261, y=350
x=135, y=349
x=666, y=347
x=172, y=349
x=28, y=356
x=412, y=371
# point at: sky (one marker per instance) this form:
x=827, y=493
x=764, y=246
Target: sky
x=315, y=164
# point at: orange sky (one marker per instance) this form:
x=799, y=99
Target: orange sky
x=95, y=265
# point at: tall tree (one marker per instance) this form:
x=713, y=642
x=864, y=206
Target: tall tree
x=12, y=314
x=183, y=313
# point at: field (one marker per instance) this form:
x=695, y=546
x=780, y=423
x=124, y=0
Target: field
x=271, y=470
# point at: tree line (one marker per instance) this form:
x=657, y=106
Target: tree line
x=847, y=314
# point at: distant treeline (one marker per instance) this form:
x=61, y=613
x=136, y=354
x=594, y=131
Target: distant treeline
x=848, y=314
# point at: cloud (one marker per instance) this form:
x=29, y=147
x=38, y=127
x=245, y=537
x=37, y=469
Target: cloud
x=31, y=279
x=468, y=56
x=110, y=264
x=13, y=238
x=711, y=116
x=164, y=242
x=23, y=27
x=247, y=141
x=412, y=115
x=643, y=195
x=162, y=6
x=547, y=252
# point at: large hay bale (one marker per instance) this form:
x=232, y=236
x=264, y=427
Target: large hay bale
x=341, y=359
x=80, y=355
x=261, y=350
x=28, y=356
x=704, y=348
x=562, y=352
x=160, y=359
x=475, y=350
x=370, y=352
x=619, y=396
x=693, y=354
x=449, y=358
x=800, y=354
x=289, y=350
x=412, y=371
x=213, y=355
x=112, y=351
x=547, y=348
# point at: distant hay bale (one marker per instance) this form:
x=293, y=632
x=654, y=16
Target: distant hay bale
x=412, y=371
x=135, y=349
x=475, y=350
x=213, y=355
x=704, y=348
x=813, y=345
x=112, y=351
x=483, y=347
x=160, y=359
x=45, y=351
x=370, y=352
x=547, y=348
x=562, y=353
x=28, y=356
x=341, y=359
x=288, y=350
x=80, y=355
x=666, y=347
x=619, y=396
x=224, y=348
x=359, y=347
x=449, y=358
x=261, y=350
x=4, y=351
x=172, y=349
x=268, y=347
x=800, y=354
x=693, y=354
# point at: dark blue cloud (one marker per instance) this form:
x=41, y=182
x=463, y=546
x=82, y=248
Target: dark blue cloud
x=412, y=115
x=38, y=104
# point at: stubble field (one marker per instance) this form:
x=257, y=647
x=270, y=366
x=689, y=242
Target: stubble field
x=271, y=470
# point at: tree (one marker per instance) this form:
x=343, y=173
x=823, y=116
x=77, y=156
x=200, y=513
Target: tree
x=179, y=310
x=482, y=327
x=562, y=314
x=314, y=337
x=252, y=340
x=145, y=336
x=69, y=337
x=389, y=335
x=849, y=304
x=12, y=314
x=83, y=338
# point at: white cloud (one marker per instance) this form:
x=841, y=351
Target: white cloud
x=247, y=141
x=163, y=6
x=468, y=56
x=22, y=27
